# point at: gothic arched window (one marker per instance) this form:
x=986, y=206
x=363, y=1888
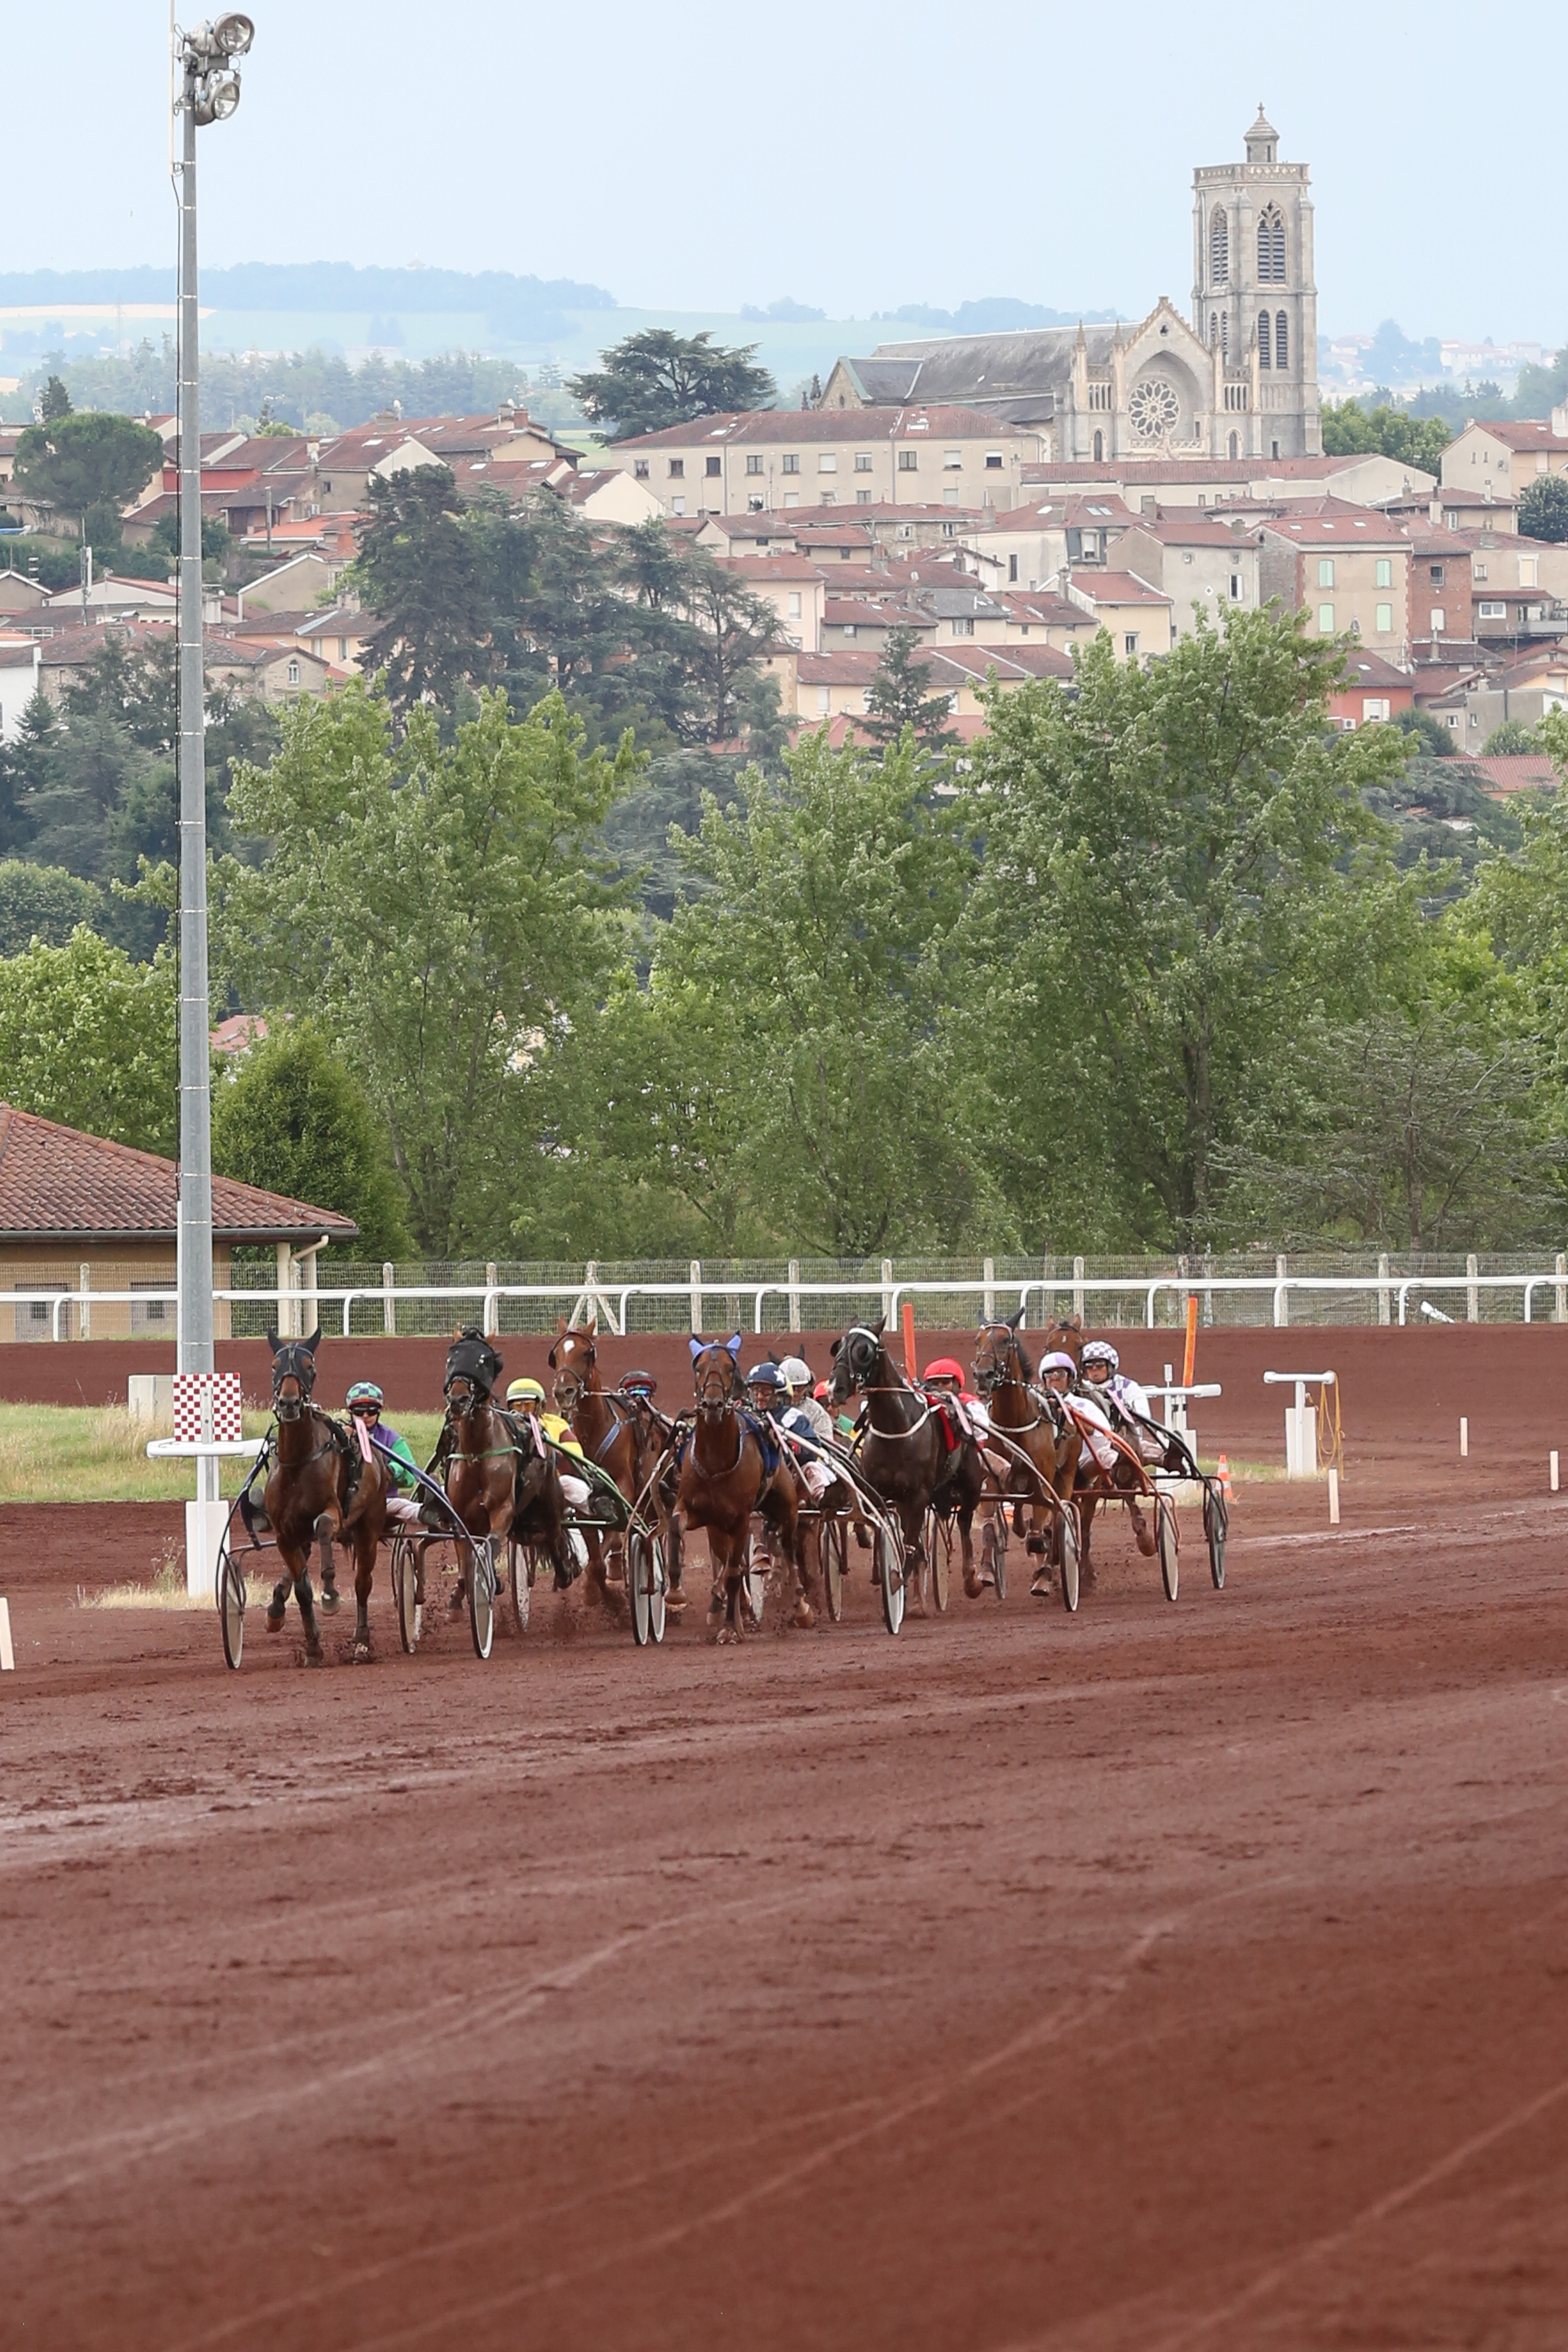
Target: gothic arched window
x=1265, y=340
x=1281, y=340
x=1235, y=445
x=1270, y=247
x=1218, y=250
x=1213, y=329
x=1099, y=447
x=1225, y=334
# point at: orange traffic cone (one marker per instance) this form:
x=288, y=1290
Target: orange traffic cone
x=1224, y=1477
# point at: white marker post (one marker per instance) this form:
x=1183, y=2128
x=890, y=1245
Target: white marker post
x=1333, y=1496
x=1464, y=1439
x=8, y=1656
x=1300, y=1421
x=1554, y=1489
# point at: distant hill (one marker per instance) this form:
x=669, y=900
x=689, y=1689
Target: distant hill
x=997, y=315
x=518, y=304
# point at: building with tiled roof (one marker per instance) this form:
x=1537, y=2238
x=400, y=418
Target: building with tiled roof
x=81, y=1214
x=767, y=460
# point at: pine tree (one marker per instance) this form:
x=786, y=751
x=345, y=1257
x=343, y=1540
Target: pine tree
x=897, y=698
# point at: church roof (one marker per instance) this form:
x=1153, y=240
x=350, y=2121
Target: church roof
x=1262, y=128
x=1019, y=364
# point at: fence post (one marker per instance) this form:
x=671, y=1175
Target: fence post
x=697, y=1297
x=1078, y=1287
x=888, y=1290
x=285, y=1284
x=988, y=1270
x=1473, y=1295
x=84, y=1313
x=389, y=1309
x=1559, y=1304
x=1282, y=1298
x=794, y=1299
x=1209, y=1291
x=1382, y=1286
x=487, y=1319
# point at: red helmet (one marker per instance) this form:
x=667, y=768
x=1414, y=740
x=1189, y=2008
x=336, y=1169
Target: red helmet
x=944, y=1367
x=820, y=1392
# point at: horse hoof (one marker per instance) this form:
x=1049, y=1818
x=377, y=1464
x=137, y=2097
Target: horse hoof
x=1043, y=1586
x=314, y=1653
x=457, y=1602
x=805, y=1616
x=275, y=1624
x=973, y=1585
x=674, y=1601
x=1144, y=1537
x=329, y=1602
x=362, y=1649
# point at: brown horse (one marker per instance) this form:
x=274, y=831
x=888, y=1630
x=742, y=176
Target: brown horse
x=320, y=1487
x=725, y=1476
x=612, y=1432
x=500, y=1476
x=1033, y=1423
x=905, y=1453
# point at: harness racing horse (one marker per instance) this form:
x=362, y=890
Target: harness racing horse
x=499, y=1475
x=728, y=1468
x=613, y=1434
x=1034, y=1422
x=905, y=1452
x=320, y=1487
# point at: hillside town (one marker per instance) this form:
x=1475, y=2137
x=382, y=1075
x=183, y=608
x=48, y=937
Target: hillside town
x=993, y=502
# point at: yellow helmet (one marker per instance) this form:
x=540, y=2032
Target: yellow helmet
x=525, y=1392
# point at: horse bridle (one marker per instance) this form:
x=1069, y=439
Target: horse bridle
x=887, y=1388
x=990, y=1376
x=569, y=1388
x=293, y=1362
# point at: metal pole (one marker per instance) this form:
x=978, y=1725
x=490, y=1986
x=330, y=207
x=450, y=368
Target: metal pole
x=196, y=1336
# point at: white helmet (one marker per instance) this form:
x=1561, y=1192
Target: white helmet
x=796, y=1372
x=1101, y=1351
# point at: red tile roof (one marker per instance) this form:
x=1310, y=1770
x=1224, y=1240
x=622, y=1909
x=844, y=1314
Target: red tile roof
x=1521, y=771
x=1116, y=588
x=1534, y=433
x=58, y=1185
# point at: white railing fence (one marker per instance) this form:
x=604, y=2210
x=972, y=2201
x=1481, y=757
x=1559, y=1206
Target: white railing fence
x=803, y=1296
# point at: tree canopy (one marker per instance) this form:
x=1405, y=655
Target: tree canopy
x=1350, y=431
x=657, y=378
x=89, y=1037
x=290, y=1115
x=74, y=463
x=1543, y=507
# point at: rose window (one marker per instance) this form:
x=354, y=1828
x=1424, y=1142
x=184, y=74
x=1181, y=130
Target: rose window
x=1154, y=408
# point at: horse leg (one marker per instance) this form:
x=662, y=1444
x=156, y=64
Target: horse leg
x=364, y=1572
x=323, y=1533
x=1143, y=1534
x=280, y=1592
x=991, y=1535
x=299, y=1569
x=967, y=1538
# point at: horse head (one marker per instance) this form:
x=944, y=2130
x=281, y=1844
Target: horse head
x=293, y=1373
x=573, y=1360
x=473, y=1368
x=1066, y=1336
x=716, y=1373
x=856, y=1358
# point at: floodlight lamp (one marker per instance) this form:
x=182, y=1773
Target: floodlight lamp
x=215, y=99
x=233, y=34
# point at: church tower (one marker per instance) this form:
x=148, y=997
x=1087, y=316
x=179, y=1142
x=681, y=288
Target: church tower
x=1253, y=297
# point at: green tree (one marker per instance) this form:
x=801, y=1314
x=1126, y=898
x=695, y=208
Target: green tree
x=1436, y=741
x=54, y=401
x=43, y=902
x=90, y=1038
x=76, y=462
x=1178, y=872
x=656, y=379
x=1349, y=431
x=1510, y=739
x=419, y=573
x=444, y=913
x=898, y=697
x=1543, y=507
x=290, y=1116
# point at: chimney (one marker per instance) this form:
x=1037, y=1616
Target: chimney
x=1147, y=505
x=1560, y=423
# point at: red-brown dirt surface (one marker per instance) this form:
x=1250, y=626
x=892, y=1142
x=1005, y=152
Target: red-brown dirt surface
x=1163, y=1978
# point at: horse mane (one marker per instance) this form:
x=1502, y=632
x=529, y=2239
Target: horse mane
x=1026, y=1362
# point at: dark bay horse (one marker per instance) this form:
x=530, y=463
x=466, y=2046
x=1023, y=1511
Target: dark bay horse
x=1033, y=1422
x=725, y=1476
x=320, y=1488
x=905, y=1453
x=612, y=1431
x=500, y=1476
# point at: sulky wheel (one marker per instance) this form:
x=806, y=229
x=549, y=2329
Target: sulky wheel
x=890, y=1576
x=658, y=1588
x=1216, y=1528
x=938, y=1554
x=834, y=1548
x=405, y=1590
x=1166, y=1525
x=520, y=1571
x=482, y=1596
x=1070, y=1550
x=231, y=1603
x=640, y=1576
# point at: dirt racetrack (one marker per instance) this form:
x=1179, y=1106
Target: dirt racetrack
x=1163, y=1978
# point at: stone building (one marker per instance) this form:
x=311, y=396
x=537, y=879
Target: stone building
x=1239, y=380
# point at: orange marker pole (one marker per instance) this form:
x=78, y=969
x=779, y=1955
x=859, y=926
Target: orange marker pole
x=1189, y=1359
x=910, y=1368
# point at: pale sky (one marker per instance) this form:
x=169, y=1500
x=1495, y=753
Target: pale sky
x=705, y=153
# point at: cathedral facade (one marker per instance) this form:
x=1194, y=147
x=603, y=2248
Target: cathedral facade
x=1238, y=380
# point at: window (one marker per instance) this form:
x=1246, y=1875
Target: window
x=848, y=628
x=1386, y=572
x=830, y=498
x=1527, y=571
x=827, y=461
x=713, y=468
x=963, y=626
x=824, y=701
x=1213, y=329
x=790, y=465
x=1235, y=587
x=1385, y=620
x=1225, y=334
x=1130, y=643
x=949, y=498
x=952, y=459
x=754, y=461
x=1012, y=568
x=753, y=503
x=1218, y=249
x=794, y=604
x=792, y=498
x=1325, y=572
x=1099, y=448
x=908, y=459
x=1479, y=572
x=294, y=673
x=863, y=497
x=993, y=461
x=1325, y=620
x=1435, y=573
x=1270, y=247
x=1235, y=445
x=1265, y=340
x=640, y=468
x=36, y=1320
x=677, y=470
x=862, y=461
x=677, y=505
x=150, y=1313
x=1273, y=449
x=1281, y=340
x=1451, y=521
x=1437, y=620
x=1375, y=706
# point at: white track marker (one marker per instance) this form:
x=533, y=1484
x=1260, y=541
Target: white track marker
x=1554, y=1489
x=1464, y=1438
x=1333, y=1496
x=7, y=1656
